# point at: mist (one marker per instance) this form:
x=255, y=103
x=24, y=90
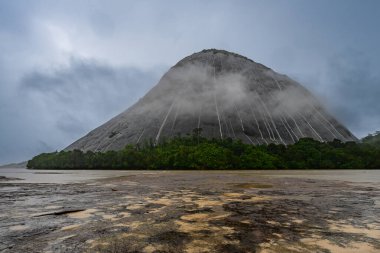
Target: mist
x=68, y=67
x=223, y=95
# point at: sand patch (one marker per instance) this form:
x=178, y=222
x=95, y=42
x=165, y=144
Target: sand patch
x=186, y=199
x=133, y=235
x=203, y=217
x=277, y=235
x=83, y=214
x=373, y=233
x=118, y=243
x=260, y=198
x=298, y=221
x=128, y=197
x=275, y=223
x=125, y=214
x=221, y=216
x=135, y=224
x=18, y=228
x=111, y=217
x=191, y=227
x=94, y=244
x=149, y=249
x=197, y=246
x=155, y=210
x=273, y=247
x=195, y=217
x=187, y=227
x=246, y=221
x=90, y=241
x=207, y=203
x=135, y=206
x=333, y=248
x=70, y=227
x=162, y=201
x=233, y=195
x=121, y=225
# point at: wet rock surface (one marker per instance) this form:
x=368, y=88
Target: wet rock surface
x=191, y=212
x=2, y=178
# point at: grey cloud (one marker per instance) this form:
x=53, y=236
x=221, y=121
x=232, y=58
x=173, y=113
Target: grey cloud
x=348, y=84
x=61, y=104
x=88, y=84
x=13, y=15
x=354, y=83
x=102, y=24
x=202, y=84
x=297, y=39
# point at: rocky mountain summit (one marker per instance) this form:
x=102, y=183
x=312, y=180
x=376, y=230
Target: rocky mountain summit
x=220, y=95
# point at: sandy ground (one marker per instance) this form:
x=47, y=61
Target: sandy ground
x=191, y=212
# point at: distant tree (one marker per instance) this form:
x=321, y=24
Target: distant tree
x=197, y=152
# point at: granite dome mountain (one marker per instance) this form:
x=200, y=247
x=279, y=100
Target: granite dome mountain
x=226, y=95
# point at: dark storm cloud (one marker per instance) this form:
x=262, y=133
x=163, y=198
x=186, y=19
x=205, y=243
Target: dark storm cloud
x=68, y=66
x=348, y=84
x=93, y=91
x=86, y=87
x=57, y=106
x=355, y=91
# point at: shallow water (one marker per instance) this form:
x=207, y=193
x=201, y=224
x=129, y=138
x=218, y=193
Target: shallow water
x=74, y=176
x=61, y=176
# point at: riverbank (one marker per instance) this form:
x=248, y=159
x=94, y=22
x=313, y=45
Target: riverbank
x=194, y=211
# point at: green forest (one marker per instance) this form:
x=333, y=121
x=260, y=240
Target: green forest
x=197, y=152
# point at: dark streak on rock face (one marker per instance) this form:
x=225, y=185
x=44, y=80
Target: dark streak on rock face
x=227, y=96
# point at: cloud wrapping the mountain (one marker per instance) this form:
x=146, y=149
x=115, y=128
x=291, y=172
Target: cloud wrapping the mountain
x=68, y=66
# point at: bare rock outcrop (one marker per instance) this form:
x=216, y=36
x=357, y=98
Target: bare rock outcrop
x=227, y=96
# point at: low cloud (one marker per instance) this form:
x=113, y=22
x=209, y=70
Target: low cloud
x=52, y=108
x=350, y=87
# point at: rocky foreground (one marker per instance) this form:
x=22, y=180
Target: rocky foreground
x=191, y=212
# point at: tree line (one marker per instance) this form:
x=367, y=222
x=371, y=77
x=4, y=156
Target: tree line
x=197, y=152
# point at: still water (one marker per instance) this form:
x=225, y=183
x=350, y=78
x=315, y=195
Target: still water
x=73, y=176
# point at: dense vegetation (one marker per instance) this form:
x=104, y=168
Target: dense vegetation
x=196, y=152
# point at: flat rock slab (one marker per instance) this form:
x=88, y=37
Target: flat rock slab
x=192, y=211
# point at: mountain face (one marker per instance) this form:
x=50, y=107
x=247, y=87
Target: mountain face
x=226, y=95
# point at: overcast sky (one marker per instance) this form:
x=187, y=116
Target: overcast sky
x=68, y=66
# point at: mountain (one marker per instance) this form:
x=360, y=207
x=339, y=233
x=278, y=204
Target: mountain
x=372, y=139
x=226, y=95
x=20, y=165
